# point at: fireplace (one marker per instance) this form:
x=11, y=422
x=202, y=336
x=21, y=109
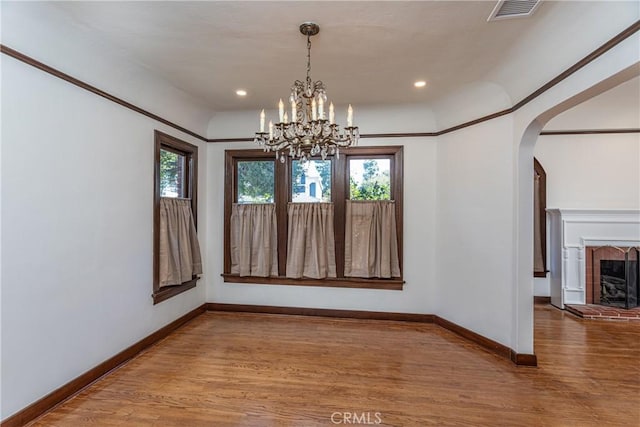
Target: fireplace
x=612, y=276
x=573, y=235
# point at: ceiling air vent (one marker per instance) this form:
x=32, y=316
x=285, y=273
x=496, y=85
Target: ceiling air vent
x=513, y=9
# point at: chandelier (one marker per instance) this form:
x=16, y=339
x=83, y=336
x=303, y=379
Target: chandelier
x=309, y=133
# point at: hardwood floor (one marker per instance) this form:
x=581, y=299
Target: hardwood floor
x=230, y=369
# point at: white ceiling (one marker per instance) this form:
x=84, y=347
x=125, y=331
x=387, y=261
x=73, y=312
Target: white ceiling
x=367, y=52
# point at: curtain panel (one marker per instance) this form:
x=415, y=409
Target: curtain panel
x=179, y=250
x=311, y=245
x=254, y=240
x=538, y=259
x=371, y=241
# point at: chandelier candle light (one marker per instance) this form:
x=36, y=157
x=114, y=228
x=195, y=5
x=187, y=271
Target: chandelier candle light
x=309, y=133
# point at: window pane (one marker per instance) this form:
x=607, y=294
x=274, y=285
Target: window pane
x=172, y=174
x=370, y=179
x=311, y=181
x=255, y=181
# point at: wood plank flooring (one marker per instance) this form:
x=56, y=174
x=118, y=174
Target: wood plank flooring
x=229, y=369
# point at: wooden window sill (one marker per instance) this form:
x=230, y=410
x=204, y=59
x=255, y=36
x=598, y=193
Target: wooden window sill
x=342, y=282
x=170, y=291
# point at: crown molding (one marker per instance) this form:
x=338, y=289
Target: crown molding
x=620, y=37
x=623, y=35
x=588, y=131
x=76, y=82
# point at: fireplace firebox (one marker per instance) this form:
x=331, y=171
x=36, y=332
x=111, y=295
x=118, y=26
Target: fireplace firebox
x=615, y=276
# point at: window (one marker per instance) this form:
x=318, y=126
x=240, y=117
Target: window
x=311, y=181
x=173, y=170
x=360, y=174
x=255, y=181
x=176, y=171
x=370, y=179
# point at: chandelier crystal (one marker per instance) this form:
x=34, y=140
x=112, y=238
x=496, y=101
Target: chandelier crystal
x=309, y=133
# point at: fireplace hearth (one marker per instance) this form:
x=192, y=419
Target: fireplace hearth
x=614, y=277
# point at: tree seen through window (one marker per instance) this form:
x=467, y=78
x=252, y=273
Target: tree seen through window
x=369, y=179
x=172, y=166
x=255, y=181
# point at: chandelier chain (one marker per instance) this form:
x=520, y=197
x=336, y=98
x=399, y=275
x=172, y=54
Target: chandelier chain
x=308, y=58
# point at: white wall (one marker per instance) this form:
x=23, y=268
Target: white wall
x=1, y=394
x=77, y=219
x=591, y=171
x=46, y=33
x=475, y=222
x=370, y=119
x=420, y=258
x=77, y=200
x=597, y=171
x=470, y=102
x=485, y=205
x=617, y=108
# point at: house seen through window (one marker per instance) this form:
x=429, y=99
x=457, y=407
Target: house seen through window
x=311, y=181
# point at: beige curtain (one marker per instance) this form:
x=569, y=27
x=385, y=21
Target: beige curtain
x=311, y=246
x=179, y=258
x=538, y=261
x=371, y=242
x=254, y=240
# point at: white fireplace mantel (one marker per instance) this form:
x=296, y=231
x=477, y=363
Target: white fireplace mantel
x=570, y=231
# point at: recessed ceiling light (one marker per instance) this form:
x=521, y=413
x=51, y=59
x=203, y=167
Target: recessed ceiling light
x=241, y=92
x=420, y=83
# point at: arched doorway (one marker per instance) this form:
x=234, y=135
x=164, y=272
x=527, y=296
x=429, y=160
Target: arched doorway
x=524, y=200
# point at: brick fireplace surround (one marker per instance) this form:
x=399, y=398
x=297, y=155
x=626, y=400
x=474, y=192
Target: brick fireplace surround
x=592, y=309
x=592, y=275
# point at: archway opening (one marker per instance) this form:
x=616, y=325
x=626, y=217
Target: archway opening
x=525, y=197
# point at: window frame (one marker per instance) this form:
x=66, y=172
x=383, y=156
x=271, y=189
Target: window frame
x=167, y=142
x=339, y=192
